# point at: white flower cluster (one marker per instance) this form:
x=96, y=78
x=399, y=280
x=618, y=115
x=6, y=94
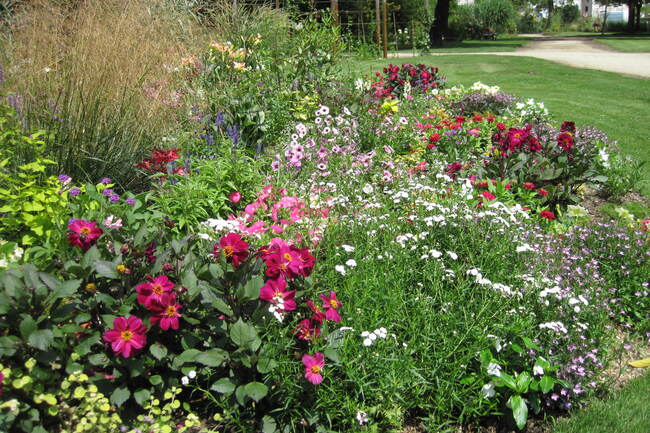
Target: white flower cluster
x=478, y=276
x=485, y=89
x=12, y=257
x=370, y=337
x=554, y=326
x=218, y=226
x=185, y=380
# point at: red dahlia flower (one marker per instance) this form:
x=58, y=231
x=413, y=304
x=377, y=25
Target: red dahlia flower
x=318, y=313
x=488, y=196
x=306, y=330
x=166, y=312
x=153, y=291
x=568, y=127
x=565, y=141
x=331, y=305
x=234, y=248
x=314, y=367
x=275, y=292
x=547, y=214
x=529, y=185
x=542, y=192
x=83, y=234
x=127, y=336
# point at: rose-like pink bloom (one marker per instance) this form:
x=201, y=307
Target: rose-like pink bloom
x=127, y=336
x=286, y=260
x=306, y=330
x=235, y=249
x=83, y=234
x=331, y=305
x=166, y=311
x=314, y=367
x=235, y=197
x=275, y=292
x=152, y=291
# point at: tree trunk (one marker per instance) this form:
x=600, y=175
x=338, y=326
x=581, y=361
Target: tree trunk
x=639, y=5
x=549, y=7
x=631, y=8
x=440, y=24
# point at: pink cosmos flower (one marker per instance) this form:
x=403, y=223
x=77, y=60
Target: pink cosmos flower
x=235, y=197
x=166, y=312
x=235, y=249
x=127, y=336
x=314, y=367
x=331, y=305
x=152, y=291
x=275, y=292
x=83, y=234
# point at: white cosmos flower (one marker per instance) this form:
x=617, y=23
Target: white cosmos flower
x=348, y=248
x=351, y=263
x=494, y=369
x=488, y=390
x=185, y=380
x=340, y=269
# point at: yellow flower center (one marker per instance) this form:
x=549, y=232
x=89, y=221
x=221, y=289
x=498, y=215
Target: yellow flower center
x=126, y=335
x=333, y=303
x=157, y=289
x=316, y=369
x=121, y=268
x=287, y=257
x=91, y=287
x=228, y=251
x=84, y=231
x=171, y=311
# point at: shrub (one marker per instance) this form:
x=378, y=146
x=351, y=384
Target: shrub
x=498, y=15
x=570, y=13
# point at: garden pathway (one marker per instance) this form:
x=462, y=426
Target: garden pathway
x=576, y=52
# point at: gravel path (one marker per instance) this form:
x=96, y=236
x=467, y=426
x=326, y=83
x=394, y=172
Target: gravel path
x=579, y=53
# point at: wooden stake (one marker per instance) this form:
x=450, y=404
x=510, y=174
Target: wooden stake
x=385, y=29
x=378, y=23
x=335, y=11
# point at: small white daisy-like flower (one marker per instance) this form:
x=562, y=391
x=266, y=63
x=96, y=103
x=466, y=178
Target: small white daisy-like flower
x=185, y=380
x=351, y=263
x=348, y=248
x=494, y=369
x=538, y=370
x=362, y=417
x=191, y=374
x=488, y=390
x=340, y=269
x=367, y=342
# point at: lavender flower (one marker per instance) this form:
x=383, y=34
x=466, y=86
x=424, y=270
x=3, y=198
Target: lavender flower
x=75, y=192
x=233, y=134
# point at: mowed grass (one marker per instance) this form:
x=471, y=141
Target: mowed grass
x=628, y=44
x=626, y=411
x=617, y=104
x=501, y=44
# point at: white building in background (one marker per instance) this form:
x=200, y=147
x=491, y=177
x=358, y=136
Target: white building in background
x=590, y=8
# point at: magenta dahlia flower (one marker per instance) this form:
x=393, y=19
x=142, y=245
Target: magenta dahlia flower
x=83, y=234
x=234, y=248
x=166, y=312
x=153, y=290
x=127, y=336
x=314, y=367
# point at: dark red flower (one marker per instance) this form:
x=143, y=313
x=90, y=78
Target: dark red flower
x=565, y=141
x=569, y=127
x=306, y=330
x=234, y=248
x=547, y=214
x=83, y=234
x=542, y=192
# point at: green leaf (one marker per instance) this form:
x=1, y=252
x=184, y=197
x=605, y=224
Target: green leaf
x=106, y=269
x=158, y=351
x=221, y=305
x=332, y=354
x=120, y=395
x=250, y=290
x=9, y=345
x=83, y=348
x=188, y=356
x=212, y=357
x=256, y=390
x=189, y=279
x=141, y=396
x=98, y=359
x=156, y=380
x=244, y=335
x=269, y=425
x=27, y=327
x=519, y=410
x=41, y=339
x=523, y=380
x=264, y=365
x=546, y=384
x=90, y=257
x=215, y=271
x=223, y=385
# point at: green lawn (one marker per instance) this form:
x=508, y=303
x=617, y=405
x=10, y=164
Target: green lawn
x=628, y=44
x=502, y=43
x=617, y=104
x=626, y=411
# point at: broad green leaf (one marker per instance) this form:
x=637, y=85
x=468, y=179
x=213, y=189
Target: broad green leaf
x=546, y=384
x=244, y=335
x=215, y=270
x=519, y=410
x=223, y=385
x=41, y=339
x=332, y=354
x=158, y=351
x=264, y=365
x=156, y=380
x=141, y=396
x=256, y=390
x=106, y=269
x=250, y=290
x=269, y=425
x=221, y=305
x=188, y=356
x=120, y=395
x=27, y=327
x=523, y=380
x=212, y=357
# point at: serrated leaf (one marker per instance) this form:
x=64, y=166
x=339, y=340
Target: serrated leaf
x=120, y=395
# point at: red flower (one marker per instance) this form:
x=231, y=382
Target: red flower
x=153, y=290
x=318, y=314
x=159, y=159
x=306, y=330
x=488, y=196
x=433, y=139
x=529, y=185
x=166, y=312
x=234, y=248
x=234, y=197
x=83, y=234
x=478, y=118
x=274, y=291
x=127, y=336
x=542, y=192
x=490, y=118
x=565, y=141
x=331, y=305
x=287, y=260
x=314, y=367
x=569, y=127
x=547, y=214
x=501, y=126
x=453, y=168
